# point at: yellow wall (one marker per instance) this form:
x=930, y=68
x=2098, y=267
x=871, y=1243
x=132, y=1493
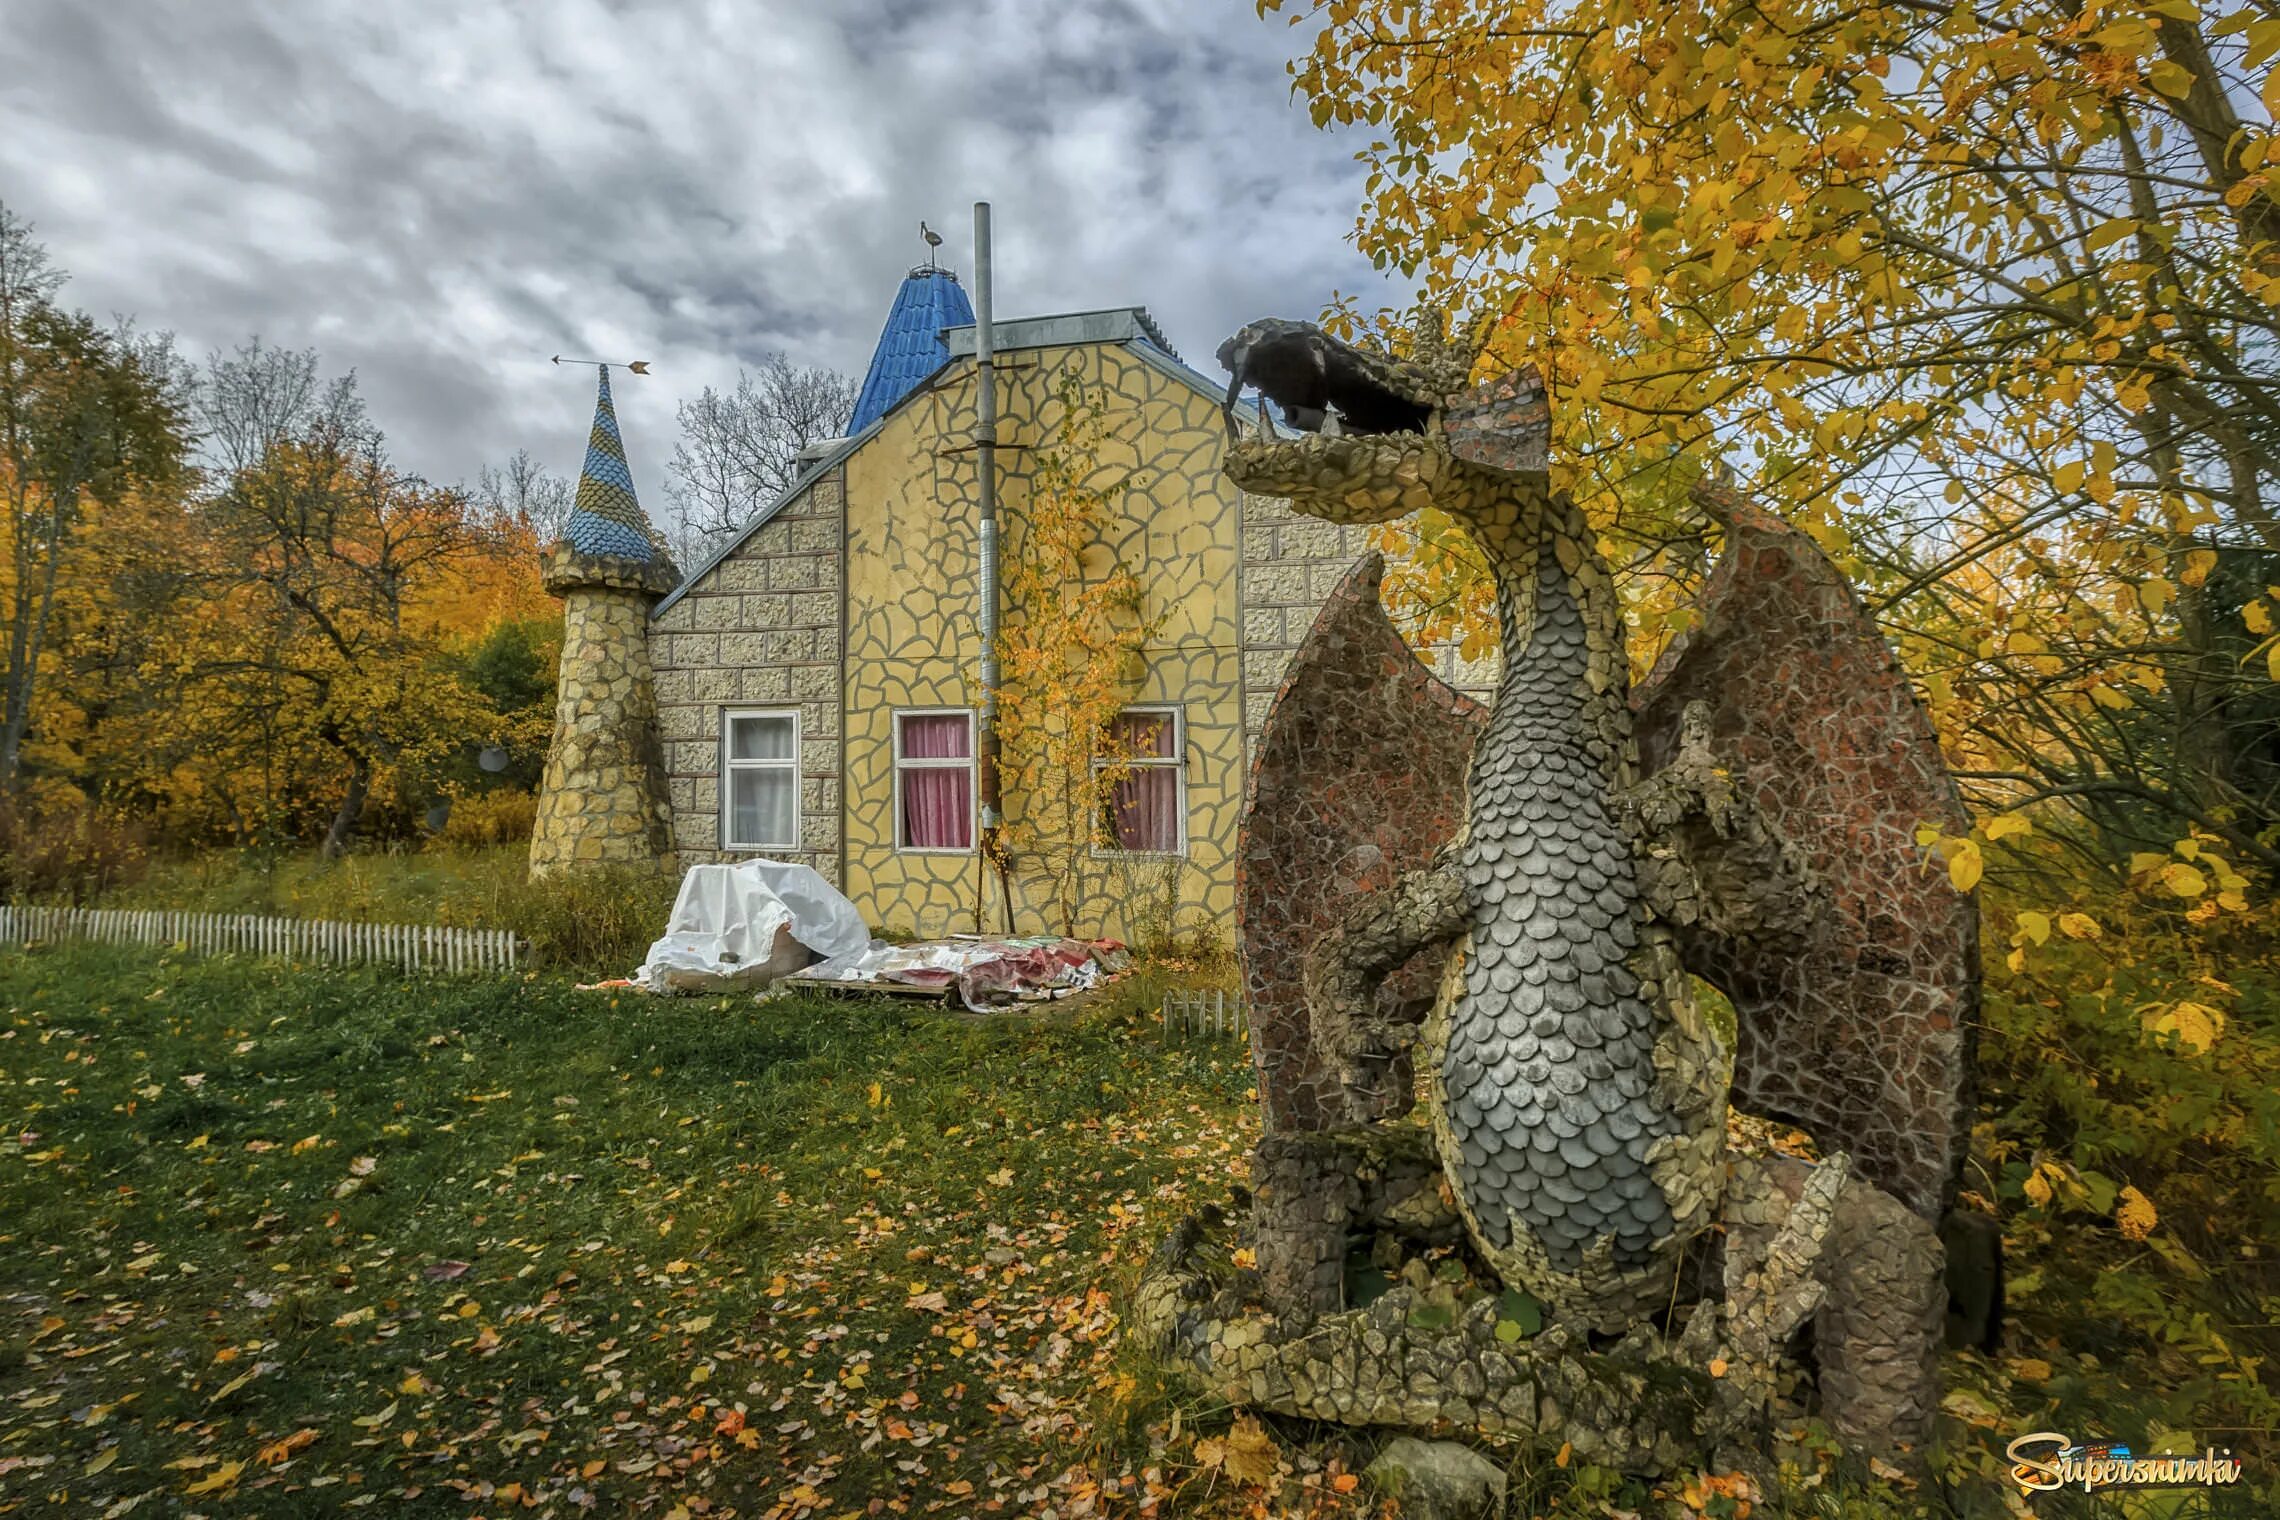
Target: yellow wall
x=912, y=639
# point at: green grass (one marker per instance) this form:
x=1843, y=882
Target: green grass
x=475, y=1234
x=476, y=1243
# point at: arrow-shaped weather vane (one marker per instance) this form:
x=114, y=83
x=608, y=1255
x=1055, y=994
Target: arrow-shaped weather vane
x=637, y=367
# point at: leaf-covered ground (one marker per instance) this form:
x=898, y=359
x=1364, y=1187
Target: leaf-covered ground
x=285, y=1242
x=281, y=1242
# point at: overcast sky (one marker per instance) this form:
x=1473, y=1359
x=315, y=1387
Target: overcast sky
x=441, y=195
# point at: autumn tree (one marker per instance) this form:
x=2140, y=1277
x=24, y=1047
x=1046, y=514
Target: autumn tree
x=312, y=633
x=1985, y=298
x=1070, y=653
x=739, y=450
x=88, y=416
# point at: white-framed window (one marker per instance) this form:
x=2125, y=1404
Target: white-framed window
x=1145, y=812
x=934, y=780
x=760, y=778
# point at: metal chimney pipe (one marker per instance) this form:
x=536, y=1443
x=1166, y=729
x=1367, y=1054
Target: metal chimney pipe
x=985, y=462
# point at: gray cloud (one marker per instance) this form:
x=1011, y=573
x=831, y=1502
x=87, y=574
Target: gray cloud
x=440, y=195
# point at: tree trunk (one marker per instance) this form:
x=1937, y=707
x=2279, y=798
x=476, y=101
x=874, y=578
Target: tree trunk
x=26, y=643
x=351, y=808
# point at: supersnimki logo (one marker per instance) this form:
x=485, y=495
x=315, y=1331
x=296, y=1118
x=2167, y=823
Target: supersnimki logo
x=2047, y=1460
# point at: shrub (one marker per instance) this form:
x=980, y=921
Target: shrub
x=601, y=919
x=491, y=818
x=68, y=855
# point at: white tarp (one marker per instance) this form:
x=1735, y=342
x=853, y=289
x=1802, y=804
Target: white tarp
x=747, y=924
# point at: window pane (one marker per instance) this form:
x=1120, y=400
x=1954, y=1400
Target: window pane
x=763, y=806
x=936, y=736
x=1144, y=810
x=1145, y=733
x=760, y=738
x=937, y=812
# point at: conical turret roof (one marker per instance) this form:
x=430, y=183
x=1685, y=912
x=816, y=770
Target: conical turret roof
x=607, y=518
x=911, y=347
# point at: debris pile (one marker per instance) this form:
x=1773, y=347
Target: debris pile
x=987, y=973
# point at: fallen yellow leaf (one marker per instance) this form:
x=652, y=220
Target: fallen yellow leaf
x=222, y=1477
x=278, y=1451
x=1251, y=1452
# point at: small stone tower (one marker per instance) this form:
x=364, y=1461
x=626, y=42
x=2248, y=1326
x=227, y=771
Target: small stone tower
x=603, y=801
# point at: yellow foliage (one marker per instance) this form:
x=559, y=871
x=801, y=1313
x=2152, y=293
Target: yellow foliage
x=2194, y=1025
x=1071, y=651
x=1965, y=864
x=2134, y=1213
x=1748, y=238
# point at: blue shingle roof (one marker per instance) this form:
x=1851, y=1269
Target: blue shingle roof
x=607, y=518
x=911, y=348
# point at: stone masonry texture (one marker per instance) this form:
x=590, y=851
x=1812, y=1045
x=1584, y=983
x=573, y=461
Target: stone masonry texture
x=760, y=630
x=603, y=798
x=1863, y=1038
x=1291, y=564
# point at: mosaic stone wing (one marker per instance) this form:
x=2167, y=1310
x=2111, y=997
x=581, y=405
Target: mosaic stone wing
x=1864, y=1038
x=1358, y=777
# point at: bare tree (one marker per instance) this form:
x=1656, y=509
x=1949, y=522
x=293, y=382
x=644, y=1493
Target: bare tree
x=740, y=450
x=524, y=489
x=258, y=396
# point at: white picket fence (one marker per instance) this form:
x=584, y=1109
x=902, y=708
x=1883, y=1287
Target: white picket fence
x=411, y=947
x=1211, y=1012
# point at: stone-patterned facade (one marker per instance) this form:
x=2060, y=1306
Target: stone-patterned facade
x=762, y=629
x=603, y=800
x=913, y=608
x=856, y=599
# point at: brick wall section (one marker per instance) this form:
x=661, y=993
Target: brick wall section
x=763, y=628
x=1291, y=564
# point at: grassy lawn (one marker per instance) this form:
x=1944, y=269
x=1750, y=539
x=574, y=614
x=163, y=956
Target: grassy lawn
x=280, y=1242
x=284, y=1243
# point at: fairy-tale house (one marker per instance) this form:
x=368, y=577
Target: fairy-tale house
x=815, y=678
x=603, y=800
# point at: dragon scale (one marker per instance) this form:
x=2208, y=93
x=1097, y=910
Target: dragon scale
x=1578, y=1098
x=1546, y=1071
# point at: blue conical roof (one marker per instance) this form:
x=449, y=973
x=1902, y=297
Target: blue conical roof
x=607, y=518
x=911, y=347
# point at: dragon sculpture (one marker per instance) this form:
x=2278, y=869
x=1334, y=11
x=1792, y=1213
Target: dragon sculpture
x=1574, y=852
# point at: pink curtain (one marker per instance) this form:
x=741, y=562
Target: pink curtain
x=1144, y=807
x=937, y=801
x=936, y=736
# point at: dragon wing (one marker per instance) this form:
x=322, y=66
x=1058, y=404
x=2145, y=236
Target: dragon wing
x=1359, y=776
x=1863, y=1035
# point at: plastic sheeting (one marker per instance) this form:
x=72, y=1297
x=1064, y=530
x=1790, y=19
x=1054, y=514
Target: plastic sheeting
x=746, y=924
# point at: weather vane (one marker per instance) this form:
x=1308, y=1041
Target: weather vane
x=933, y=241
x=637, y=367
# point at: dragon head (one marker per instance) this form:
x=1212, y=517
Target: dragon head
x=1381, y=436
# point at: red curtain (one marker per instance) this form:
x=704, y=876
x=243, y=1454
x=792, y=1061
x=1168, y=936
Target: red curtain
x=937, y=801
